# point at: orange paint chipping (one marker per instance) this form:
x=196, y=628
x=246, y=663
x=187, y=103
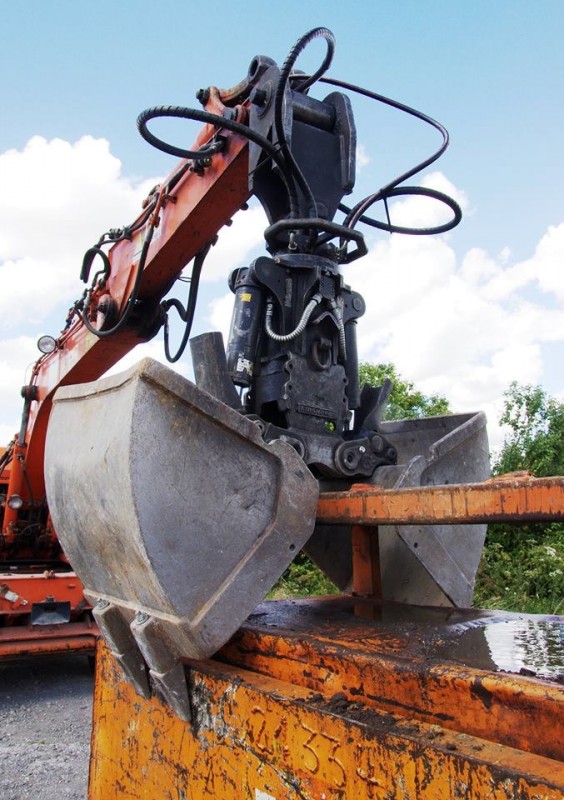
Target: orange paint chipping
x=518, y=500
x=252, y=735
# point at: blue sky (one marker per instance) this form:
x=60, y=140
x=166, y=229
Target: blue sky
x=462, y=314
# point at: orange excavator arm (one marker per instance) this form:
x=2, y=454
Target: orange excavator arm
x=183, y=214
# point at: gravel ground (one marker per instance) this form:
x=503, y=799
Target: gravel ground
x=45, y=719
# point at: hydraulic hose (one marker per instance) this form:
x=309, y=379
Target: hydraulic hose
x=199, y=115
x=342, y=339
x=291, y=59
x=357, y=214
x=186, y=315
x=120, y=324
x=392, y=188
x=301, y=326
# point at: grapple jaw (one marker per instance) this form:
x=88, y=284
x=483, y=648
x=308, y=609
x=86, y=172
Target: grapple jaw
x=175, y=514
x=430, y=565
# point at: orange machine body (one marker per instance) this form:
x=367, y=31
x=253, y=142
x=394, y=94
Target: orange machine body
x=185, y=219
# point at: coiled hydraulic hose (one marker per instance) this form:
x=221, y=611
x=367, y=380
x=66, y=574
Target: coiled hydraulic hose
x=392, y=189
x=301, y=326
x=199, y=115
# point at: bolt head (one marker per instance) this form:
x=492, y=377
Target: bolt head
x=258, y=97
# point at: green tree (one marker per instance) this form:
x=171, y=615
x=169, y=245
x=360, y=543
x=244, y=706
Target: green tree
x=405, y=402
x=522, y=567
x=536, y=439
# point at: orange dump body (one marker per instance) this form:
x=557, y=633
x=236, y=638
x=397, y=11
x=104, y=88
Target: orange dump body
x=311, y=701
x=349, y=697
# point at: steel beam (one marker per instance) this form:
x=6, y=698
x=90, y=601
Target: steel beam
x=518, y=499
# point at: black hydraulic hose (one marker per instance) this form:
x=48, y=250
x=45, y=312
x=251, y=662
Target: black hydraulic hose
x=28, y=483
x=199, y=115
x=120, y=324
x=186, y=314
x=406, y=109
x=280, y=90
x=392, y=189
x=88, y=259
x=332, y=228
x=405, y=191
x=300, y=46
x=6, y=457
x=111, y=237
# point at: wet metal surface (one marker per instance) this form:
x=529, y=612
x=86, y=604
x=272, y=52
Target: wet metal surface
x=489, y=640
x=489, y=674
x=523, y=645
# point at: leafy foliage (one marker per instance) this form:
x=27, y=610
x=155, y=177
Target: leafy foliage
x=536, y=441
x=302, y=579
x=522, y=567
x=522, y=572
x=406, y=402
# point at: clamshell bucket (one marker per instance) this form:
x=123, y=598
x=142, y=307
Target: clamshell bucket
x=420, y=564
x=176, y=516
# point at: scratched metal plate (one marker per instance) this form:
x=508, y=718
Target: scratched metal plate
x=171, y=509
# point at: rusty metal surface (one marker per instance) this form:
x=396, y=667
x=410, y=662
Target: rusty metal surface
x=489, y=674
x=257, y=737
x=17, y=641
x=519, y=499
x=367, y=579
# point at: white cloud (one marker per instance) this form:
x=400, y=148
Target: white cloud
x=153, y=349
x=464, y=327
x=362, y=157
x=236, y=244
x=465, y=330
x=547, y=264
x=417, y=211
x=544, y=270
x=16, y=356
x=220, y=310
x=57, y=199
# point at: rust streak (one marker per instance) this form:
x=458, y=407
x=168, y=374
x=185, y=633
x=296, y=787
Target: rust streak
x=519, y=499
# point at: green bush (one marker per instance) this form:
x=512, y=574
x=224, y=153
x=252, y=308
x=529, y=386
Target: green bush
x=302, y=579
x=525, y=576
x=522, y=566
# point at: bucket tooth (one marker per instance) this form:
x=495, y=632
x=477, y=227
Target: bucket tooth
x=116, y=631
x=171, y=686
x=170, y=506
